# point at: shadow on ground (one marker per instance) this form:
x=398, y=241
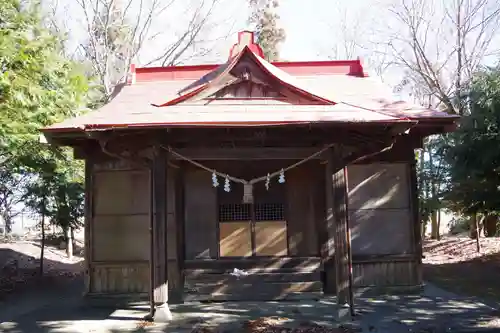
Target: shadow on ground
x=445, y=245
x=477, y=277
x=437, y=311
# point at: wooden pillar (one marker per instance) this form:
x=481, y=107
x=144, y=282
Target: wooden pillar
x=328, y=240
x=159, y=173
x=168, y=282
x=339, y=226
x=415, y=218
x=175, y=285
x=88, y=222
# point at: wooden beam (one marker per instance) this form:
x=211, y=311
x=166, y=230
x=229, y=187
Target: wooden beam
x=265, y=153
x=303, y=136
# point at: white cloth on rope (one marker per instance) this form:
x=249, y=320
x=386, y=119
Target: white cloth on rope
x=244, y=181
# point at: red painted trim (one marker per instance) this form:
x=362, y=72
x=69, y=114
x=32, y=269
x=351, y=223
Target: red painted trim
x=142, y=70
x=290, y=86
x=297, y=68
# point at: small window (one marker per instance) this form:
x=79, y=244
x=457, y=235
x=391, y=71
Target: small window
x=269, y=212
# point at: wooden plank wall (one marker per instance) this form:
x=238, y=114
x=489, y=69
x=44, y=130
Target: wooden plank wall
x=305, y=192
x=119, y=229
x=200, y=199
x=381, y=221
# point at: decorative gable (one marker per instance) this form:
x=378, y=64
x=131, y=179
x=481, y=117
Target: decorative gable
x=250, y=85
x=248, y=77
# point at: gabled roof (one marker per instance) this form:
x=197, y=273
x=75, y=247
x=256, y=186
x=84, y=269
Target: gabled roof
x=222, y=76
x=333, y=91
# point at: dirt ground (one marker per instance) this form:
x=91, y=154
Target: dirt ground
x=20, y=265
x=451, y=263
x=454, y=264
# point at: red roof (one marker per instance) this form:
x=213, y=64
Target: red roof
x=337, y=91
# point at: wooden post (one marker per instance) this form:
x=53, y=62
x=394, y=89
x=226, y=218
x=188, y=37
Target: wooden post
x=173, y=219
x=160, y=239
x=341, y=235
x=88, y=220
x=415, y=216
x=327, y=247
x=336, y=171
x=159, y=199
x=151, y=242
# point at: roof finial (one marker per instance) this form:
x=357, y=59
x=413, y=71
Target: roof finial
x=131, y=75
x=246, y=39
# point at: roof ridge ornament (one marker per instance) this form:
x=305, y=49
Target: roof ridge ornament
x=246, y=38
x=131, y=75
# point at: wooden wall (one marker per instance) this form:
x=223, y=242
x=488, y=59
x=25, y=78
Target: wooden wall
x=305, y=191
x=119, y=229
x=382, y=225
x=200, y=199
x=379, y=209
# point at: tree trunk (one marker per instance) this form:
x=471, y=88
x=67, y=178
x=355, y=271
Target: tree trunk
x=478, y=245
x=7, y=223
x=42, y=243
x=474, y=230
x=434, y=225
x=473, y=226
x=438, y=212
x=69, y=244
x=490, y=225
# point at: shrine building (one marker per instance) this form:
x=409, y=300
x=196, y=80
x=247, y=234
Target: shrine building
x=250, y=180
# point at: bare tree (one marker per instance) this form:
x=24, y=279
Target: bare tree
x=118, y=32
x=440, y=44
x=349, y=38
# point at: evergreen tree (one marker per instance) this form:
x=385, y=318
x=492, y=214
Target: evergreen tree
x=269, y=34
x=38, y=87
x=474, y=156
